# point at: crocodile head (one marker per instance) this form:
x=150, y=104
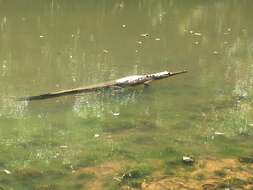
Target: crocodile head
x=165, y=74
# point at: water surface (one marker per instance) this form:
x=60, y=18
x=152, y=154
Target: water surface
x=54, y=45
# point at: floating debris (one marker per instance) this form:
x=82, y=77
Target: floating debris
x=191, y=32
x=121, y=5
x=117, y=179
x=229, y=29
x=250, y=124
x=96, y=135
x=73, y=79
x=215, y=52
x=157, y=39
x=197, y=34
x=144, y=35
x=219, y=133
x=115, y=114
x=244, y=31
x=123, y=25
x=139, y=42
x=196, y=43
x=63, y=146
x=41, y=36
x=242, y=95
x=188, y=160
x=6, y=171
x=105, y=51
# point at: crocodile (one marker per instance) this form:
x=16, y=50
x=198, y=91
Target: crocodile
x=132, y=80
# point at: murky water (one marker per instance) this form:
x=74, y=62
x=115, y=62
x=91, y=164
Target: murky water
x=52, y=45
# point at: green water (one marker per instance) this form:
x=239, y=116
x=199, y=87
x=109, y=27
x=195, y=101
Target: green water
x=58, y=44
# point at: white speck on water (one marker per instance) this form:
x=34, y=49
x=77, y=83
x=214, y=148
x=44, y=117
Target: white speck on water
x=63, y=146
x=92, y=37
x=226, y=33
x=6, y=171
x=123, y=25
x=38, y=155
x=187, y=159
x=41, y=36
x=139, y=42
x=229, y=29
x=4, y=66
x=70, y=56
x=121, y=5
x=105, y=51
x=191, y=32
x=157, y=39
x=4, y=21
x=215, y=52
x=72, y=35
x=197, y=34
x=136, y=51
x=196, y=43
x=144, y=35
x=218, y=133
x=56, y=155
x=116, y=113
x=244, y=30
x=225, y=42
x=96, y=135
x=250, y=124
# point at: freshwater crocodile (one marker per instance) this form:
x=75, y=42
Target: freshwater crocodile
x=132, y=80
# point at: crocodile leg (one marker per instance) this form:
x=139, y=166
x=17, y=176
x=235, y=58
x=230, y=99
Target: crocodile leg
x=147, y=83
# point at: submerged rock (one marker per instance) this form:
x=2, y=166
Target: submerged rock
x=28, y=173
x=246, y=160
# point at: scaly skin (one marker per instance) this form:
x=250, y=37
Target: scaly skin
x=119, y=83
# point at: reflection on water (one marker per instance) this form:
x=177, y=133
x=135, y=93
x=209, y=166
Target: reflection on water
x=53, y=45
x=10, y=108
x=103, y=104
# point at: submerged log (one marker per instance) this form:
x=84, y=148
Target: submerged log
x=132, y=80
